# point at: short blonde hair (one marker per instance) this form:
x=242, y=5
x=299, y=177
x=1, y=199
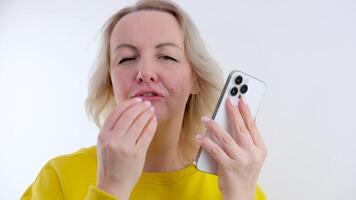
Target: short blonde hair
x=208, y=76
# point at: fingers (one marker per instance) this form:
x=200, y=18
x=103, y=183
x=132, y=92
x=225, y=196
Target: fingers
x=250, y=123
x=138, y=125
x=214, y=150
x=110, y=121
x=224, y=138
x=127, y=118
x=237, y=125
x=146, y=137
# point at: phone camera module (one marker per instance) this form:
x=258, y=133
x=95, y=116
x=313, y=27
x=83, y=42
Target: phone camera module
x=238, y=80
x=233, y=91
x=243, y=89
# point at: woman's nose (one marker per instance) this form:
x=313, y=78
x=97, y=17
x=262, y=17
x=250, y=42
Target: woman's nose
x=146, y=73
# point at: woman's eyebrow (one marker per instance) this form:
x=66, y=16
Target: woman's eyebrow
x=168, y=44
x=130, y=46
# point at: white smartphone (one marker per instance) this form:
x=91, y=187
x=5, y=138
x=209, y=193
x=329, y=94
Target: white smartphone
x=238, y=84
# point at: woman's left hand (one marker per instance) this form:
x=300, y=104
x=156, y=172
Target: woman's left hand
x=241, y=154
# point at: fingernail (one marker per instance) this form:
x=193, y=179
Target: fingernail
x=198, y=136
x=205, y=119
x=232, y=101
x=244, y=102
x=147, y=103
x=137, y=99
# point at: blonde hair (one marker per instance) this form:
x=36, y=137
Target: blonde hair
x=208, y=75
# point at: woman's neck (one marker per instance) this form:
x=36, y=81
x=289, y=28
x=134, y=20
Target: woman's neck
x=164, y=153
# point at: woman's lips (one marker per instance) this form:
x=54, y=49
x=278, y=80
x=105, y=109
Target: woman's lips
x=151, y=98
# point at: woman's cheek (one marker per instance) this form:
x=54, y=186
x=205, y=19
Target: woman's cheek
x=121, y=87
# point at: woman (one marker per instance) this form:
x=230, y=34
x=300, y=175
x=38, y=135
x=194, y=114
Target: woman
x=153, y=83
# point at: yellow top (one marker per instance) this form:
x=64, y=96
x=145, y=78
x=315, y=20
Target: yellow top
x=73, y=176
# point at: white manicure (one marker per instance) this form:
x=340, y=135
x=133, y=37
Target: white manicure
x=138, y=99
x=205, y=119
x=244, y=100
x=147, y=103
x=232, y=101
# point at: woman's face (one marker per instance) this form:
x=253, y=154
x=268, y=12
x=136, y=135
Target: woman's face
x=148, y=58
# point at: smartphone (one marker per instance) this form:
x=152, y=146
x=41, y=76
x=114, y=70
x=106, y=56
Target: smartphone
x=237, y=84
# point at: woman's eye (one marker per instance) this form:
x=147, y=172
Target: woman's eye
x=167, y=58
x=126, y=60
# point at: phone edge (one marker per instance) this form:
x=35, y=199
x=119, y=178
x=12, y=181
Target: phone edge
x=221, y=96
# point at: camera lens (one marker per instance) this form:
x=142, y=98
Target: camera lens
x=233, y=91
x=243, y=89
x=238, y=80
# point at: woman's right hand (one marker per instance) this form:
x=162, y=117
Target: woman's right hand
x=122, y=145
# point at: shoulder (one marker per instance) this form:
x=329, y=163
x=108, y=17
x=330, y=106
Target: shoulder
x=81, y=162
x=75, y=170
x=60, y=175
x=83, y=154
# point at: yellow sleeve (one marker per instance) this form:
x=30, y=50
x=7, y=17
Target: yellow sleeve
x=96, y=193
x=260, y=195
x=46, y=186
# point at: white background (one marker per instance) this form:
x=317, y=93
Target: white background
x=304, y=49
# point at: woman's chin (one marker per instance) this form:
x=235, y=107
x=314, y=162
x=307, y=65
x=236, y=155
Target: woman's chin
x=160, y=117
